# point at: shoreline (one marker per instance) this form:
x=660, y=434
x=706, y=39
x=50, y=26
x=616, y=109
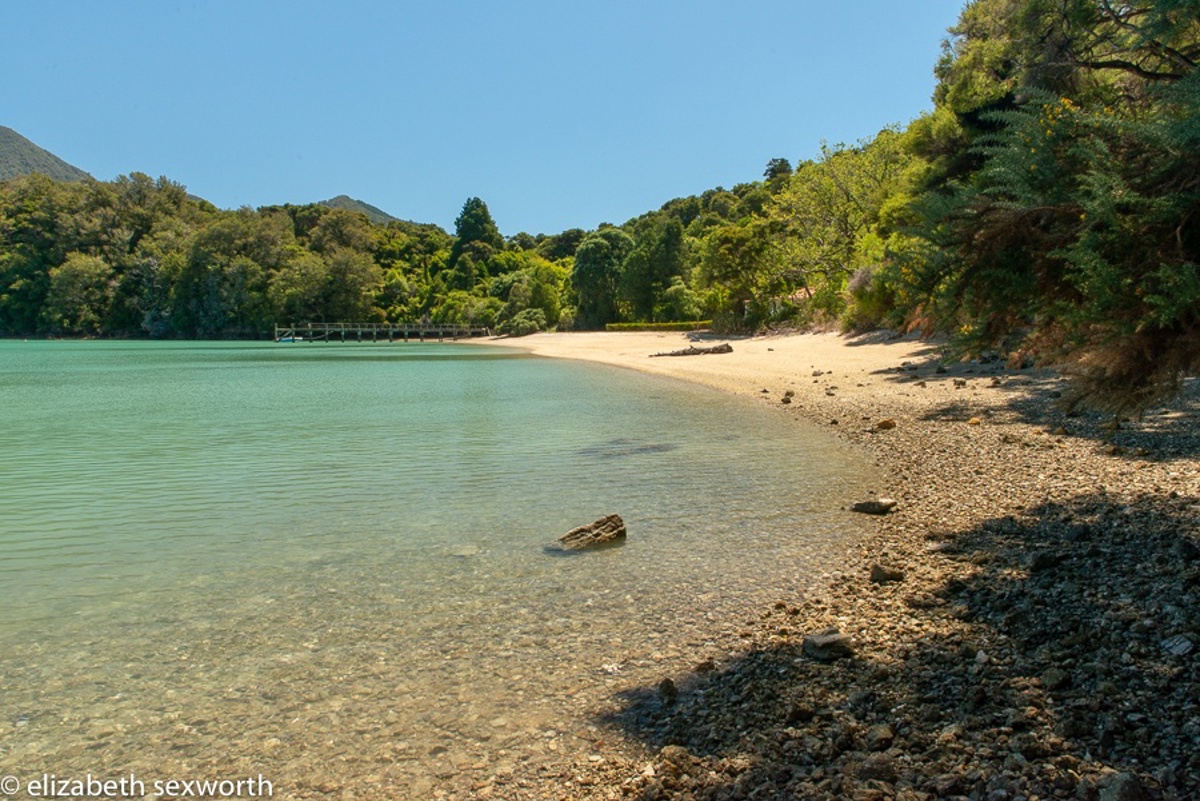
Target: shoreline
x=1026, y=623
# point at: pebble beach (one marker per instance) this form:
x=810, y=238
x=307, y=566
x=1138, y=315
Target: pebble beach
x=1024, y=623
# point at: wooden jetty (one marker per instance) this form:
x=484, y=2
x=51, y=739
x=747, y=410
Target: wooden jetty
x=374, y=332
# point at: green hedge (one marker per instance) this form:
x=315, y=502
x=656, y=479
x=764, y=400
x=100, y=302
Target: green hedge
x=694, y=325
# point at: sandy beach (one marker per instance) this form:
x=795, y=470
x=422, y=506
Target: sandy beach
x=756, y=363
x=1025, y=623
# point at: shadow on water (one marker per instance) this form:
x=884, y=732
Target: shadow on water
x=554, y=549
x=1057, y=659
x=616, y=448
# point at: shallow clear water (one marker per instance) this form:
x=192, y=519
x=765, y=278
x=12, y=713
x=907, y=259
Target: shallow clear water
x=324, y=563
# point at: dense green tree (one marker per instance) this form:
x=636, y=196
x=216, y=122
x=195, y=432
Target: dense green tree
x=342, y=230
x=24, y=285
x=475, y=233
x=526, y=322
x=679, y=302
x=34, y=237
x=141, y=203
x=474, y=224
x=825, y=222
x=144, y=296
x=597, y=275
x=522, y=241
x=561, y=246
x=685, y=209
x=776, y=174
x=79, y=296
x=464, y=308
x=295, y=291
x=650, y=268
x=354, y=278
x=222, y=289
x=1074, y=235
x=400, y=297
x=534, y=284
x=736, y=267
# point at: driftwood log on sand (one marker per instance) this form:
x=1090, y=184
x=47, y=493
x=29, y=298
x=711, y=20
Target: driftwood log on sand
x=692, y=350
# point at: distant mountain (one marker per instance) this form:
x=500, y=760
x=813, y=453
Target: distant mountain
x=19, y=156
x=377, y=216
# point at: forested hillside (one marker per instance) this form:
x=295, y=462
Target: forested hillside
x=19, y=156
x=375, y=215
x=1047, y=206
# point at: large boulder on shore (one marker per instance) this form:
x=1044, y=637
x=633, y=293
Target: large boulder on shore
x=608, y=530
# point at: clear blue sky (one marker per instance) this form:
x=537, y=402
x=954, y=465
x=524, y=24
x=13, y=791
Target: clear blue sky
x=559, y=114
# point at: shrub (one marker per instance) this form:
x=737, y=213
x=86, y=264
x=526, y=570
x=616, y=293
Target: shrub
x=693, y=325
x=871, y=300
x=529, y=321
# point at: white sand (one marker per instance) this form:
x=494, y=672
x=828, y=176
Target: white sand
x=776, y=363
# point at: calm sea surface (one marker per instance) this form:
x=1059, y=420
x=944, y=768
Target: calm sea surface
x=324, y=563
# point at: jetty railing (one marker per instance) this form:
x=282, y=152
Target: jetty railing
x=374, y=332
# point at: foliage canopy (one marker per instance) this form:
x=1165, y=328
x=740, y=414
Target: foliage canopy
x=1048, y=205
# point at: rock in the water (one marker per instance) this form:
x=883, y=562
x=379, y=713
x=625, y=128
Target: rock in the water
x=879, y=506
x=607, y=530
x=885, y=575
x=828, y=645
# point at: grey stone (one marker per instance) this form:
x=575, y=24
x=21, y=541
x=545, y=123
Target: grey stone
x=879, y=506
x=1178, y=646
x=885, y=575
x=1043, y=561
x=1055, y=679
x=1121, y=787
x=880, y=737
x=880, y=767
x=828, y=645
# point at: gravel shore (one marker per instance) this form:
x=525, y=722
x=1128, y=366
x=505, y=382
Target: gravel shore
x=1024, y=624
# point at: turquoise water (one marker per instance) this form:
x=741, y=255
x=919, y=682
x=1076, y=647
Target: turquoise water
x=274, y=540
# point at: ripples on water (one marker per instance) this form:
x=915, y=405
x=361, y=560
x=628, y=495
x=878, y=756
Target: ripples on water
x=323, y=562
